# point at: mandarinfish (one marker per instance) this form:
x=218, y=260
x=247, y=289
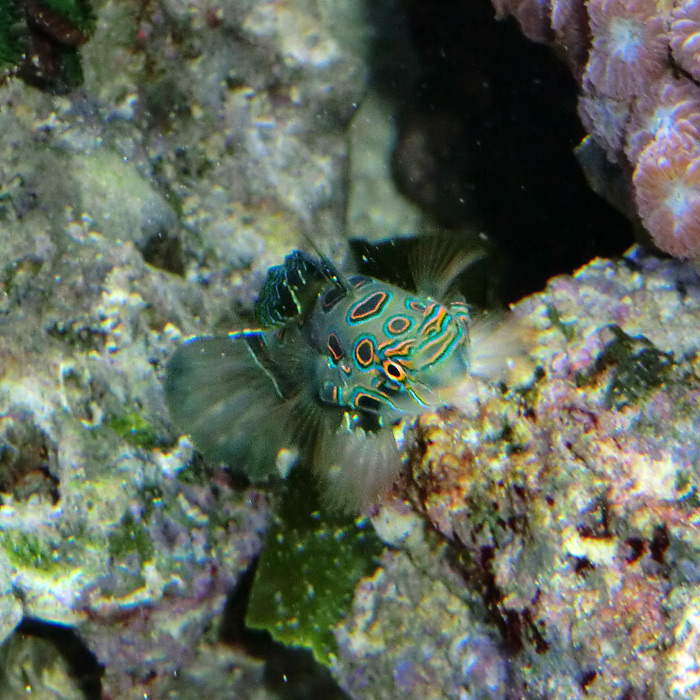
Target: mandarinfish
x=337, y=362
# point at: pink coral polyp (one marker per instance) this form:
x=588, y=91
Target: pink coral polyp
x=605, y=118
x=630, y=44
x=672, y=105
x=667, y=192
x=685, y=36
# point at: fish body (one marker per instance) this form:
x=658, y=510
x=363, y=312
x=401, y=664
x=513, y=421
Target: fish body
x=337, y=362
x=382, y=350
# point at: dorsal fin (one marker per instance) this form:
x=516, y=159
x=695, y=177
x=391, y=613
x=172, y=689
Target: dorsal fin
x=436, y=261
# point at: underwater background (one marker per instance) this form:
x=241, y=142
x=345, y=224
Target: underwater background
x=157, y=158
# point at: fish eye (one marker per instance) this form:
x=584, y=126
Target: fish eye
x=394, y=370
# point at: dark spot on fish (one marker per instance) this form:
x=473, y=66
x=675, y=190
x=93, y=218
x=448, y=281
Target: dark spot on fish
x=358, y=281
x=394, y=371
x=335, y=347
x=367, y=403
x=331, y=298
x=415, y=305
x=364, y=352
x=398, y=324
x=369, y=307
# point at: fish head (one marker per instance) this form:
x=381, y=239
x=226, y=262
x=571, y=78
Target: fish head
x=440, y=356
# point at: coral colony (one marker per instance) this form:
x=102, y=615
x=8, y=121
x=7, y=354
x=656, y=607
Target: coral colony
x=637, y=63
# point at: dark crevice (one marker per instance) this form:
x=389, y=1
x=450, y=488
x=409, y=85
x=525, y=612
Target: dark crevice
x=82, y=663
x=485, y=138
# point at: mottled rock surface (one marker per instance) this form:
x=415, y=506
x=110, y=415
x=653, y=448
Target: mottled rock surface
x=543, y=542
x=208, y=137
x=567, y=509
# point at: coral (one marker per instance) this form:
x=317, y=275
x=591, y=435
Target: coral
x=685, y=36
x=571, y=35
x=637, y=63
x=674, y=105
x=605, y=118
x=532, y=16
x=667, y=192
x=628, y=49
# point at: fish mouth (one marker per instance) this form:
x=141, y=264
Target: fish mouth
x=461, y=394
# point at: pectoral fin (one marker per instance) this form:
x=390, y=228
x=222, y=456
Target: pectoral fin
x=356, y=466
x=219, y=393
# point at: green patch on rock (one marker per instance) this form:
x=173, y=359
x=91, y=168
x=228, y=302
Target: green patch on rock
x=70, y=75
x=10, y=48
x=78, y=12
x=566, y=329
x=130, y=537
x=198, y=472
x=686, y=490
x=308, y=571
x=135, y=429
x=638, y=368
x=25, y=550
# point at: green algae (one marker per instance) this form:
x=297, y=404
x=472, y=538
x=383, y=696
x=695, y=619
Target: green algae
x=25, y=550
x=130, y=537
x=308, y=571
x=135, y=429
x=686, y=490
x=197, y=473
x=78, y=12
x=70, y=75
x=566, y=329
x=637, y=368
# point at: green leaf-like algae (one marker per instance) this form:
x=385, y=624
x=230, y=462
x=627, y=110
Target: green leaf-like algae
x=130, y=537
x=26, y=550
x=308, y=570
